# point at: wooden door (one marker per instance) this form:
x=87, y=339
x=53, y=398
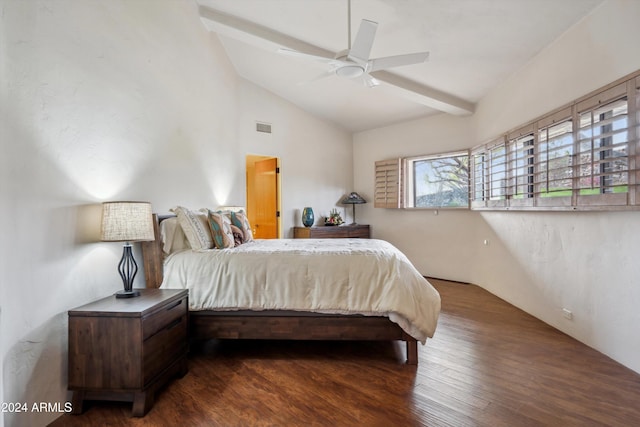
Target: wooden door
x=265, y=197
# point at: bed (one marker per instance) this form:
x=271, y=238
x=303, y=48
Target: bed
x=293, y=306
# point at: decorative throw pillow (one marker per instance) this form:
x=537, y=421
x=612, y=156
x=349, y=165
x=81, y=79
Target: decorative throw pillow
x=220, y=226
x=240, y=220
x=238, y=236
x=195, y=226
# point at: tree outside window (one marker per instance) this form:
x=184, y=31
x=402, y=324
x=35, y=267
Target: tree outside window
x=439, y=182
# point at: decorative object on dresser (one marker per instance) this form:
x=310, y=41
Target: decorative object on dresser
x=127, y=222
x=353, y=199
x=334, y=218
x=307, y=217
x=361, y=231
x=125, y=349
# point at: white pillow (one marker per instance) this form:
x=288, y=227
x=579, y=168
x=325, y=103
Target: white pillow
x=172, y=236
x=195, y=226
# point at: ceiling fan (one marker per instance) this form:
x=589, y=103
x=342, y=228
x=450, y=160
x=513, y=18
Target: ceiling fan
x=354, y=62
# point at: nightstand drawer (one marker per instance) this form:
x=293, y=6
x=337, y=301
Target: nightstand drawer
x=164, y=347
x=160, y=319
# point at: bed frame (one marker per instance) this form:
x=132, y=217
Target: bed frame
x=272, y=324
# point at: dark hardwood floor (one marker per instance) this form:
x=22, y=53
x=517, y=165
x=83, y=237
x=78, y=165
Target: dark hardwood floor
x=489, y=364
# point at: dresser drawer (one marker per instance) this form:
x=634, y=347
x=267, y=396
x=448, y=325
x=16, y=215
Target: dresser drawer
x=332, y=232
x=164, y=347
x=359, y=232
x=163, y=317
x=329, y=232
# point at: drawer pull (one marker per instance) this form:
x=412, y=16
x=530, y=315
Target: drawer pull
x=174, y=324
x=174, y=305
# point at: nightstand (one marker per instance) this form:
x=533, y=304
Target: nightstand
x=125, y=349
x=332, y=232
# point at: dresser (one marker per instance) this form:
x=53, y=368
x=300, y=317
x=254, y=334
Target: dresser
x=332, y=232
x=124, y=349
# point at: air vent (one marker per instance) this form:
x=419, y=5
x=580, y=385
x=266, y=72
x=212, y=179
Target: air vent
x=263, y=127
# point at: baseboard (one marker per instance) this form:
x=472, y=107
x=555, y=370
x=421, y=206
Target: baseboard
x=447, y=280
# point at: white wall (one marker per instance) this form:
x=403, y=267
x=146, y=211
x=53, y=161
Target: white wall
x=425, y=237
x=584, y=262
x=120, y=100
x=541, y=262
x=315, y=156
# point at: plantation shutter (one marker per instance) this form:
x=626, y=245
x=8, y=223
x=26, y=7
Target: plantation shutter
x=489, y=168
x=478, y=177
x=602, y=161
x=520, y=167
x=555, y=160
x=388, y=185
x=584, y=156
x=497, y=166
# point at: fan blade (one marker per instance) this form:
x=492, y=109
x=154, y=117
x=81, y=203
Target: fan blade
x=319, y=77
x=301, y=55
x=361, y=48
x=370, y=81
x=397, y=61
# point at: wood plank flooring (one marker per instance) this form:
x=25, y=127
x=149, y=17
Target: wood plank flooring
x=489, y=364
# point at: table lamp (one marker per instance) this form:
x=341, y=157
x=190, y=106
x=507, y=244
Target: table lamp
x=127, y=222
x=353, y=199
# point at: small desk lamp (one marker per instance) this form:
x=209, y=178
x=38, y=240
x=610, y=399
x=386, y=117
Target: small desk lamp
x=127, y=222
x=353, y=199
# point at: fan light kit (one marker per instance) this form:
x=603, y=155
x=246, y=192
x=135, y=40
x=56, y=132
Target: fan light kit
x=354, y=62
x=350, y=71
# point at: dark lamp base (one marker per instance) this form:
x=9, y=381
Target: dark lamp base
x=127, y=294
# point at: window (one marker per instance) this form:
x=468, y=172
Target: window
x=489, y=178
x=603, y=161
x=440, y=181
x=521, y=166
x=584, y=156
x=555, y=159
x=498, y=172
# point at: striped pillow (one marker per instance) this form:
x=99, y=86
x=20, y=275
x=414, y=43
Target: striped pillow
x=195, y=226
x=220, y=226
x=238, y=237
x=240, y=220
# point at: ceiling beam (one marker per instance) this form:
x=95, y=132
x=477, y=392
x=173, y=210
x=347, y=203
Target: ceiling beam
x=266, y=38
x=425, y=95
x=230, y=25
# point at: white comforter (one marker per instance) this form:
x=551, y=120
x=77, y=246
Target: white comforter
x=347, y=276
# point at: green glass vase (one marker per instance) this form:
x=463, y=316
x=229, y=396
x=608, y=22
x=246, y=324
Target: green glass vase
x=307, y=217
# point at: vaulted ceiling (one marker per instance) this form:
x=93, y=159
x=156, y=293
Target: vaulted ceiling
x=473, y=46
